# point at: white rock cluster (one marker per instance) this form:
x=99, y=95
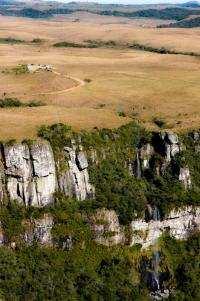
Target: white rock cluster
x=180, y=224
x=185, y=178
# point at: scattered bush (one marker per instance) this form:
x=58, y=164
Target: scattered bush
x=36, y=41
x=16, y=103
x=88, y=80
x=70, y=45
x=102, y=105
x=35, y=103
x=56, y=134
x=10, y=103
x=159, y=122
x=11, y=41
x=122, y=114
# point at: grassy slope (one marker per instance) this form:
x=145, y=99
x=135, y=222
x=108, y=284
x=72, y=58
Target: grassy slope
x=143, y=84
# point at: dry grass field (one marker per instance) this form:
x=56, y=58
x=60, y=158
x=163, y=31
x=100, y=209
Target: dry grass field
x=144, y=85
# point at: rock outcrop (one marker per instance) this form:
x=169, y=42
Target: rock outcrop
x=184, y=177
x=75, y=181
x=106, y=227
x=180, y=224
x=39, y=231
x=146, y=152
x=169, y=145
x=31, y=177
x=1, y=181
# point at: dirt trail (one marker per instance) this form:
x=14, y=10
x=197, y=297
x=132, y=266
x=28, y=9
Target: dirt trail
x=79, y=83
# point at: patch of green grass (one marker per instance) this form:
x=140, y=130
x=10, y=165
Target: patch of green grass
x=20, y=69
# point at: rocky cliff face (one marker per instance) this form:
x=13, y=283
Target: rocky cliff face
x=168, y=146
x=106, y=227
x=39, y=231
x=28, y=174
x=179, y=223
x=75, y=182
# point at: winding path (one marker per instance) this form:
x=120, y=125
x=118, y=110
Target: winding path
x=80, y=83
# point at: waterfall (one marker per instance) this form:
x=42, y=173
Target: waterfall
x=138, y=165
x=155, y=213
x=155, y=272
x=155, y=257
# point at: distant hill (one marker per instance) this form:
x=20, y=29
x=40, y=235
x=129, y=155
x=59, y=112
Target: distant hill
x=192, y=4
x=11, y=3
x=188, y=23
x=169, y=13
x=26, y=12
x=51, y=8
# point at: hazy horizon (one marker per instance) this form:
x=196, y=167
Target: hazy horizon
x=130, y=1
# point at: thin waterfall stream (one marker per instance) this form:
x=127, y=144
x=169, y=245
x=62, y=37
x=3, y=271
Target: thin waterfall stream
x=155, y=257
x=138, y=165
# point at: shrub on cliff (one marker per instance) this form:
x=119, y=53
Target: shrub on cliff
x=56, y=134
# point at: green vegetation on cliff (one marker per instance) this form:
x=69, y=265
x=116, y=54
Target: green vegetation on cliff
x=117, y=187
x=85, y=270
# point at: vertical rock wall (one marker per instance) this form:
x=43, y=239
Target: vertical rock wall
x=30, y=173
x=75, y=181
